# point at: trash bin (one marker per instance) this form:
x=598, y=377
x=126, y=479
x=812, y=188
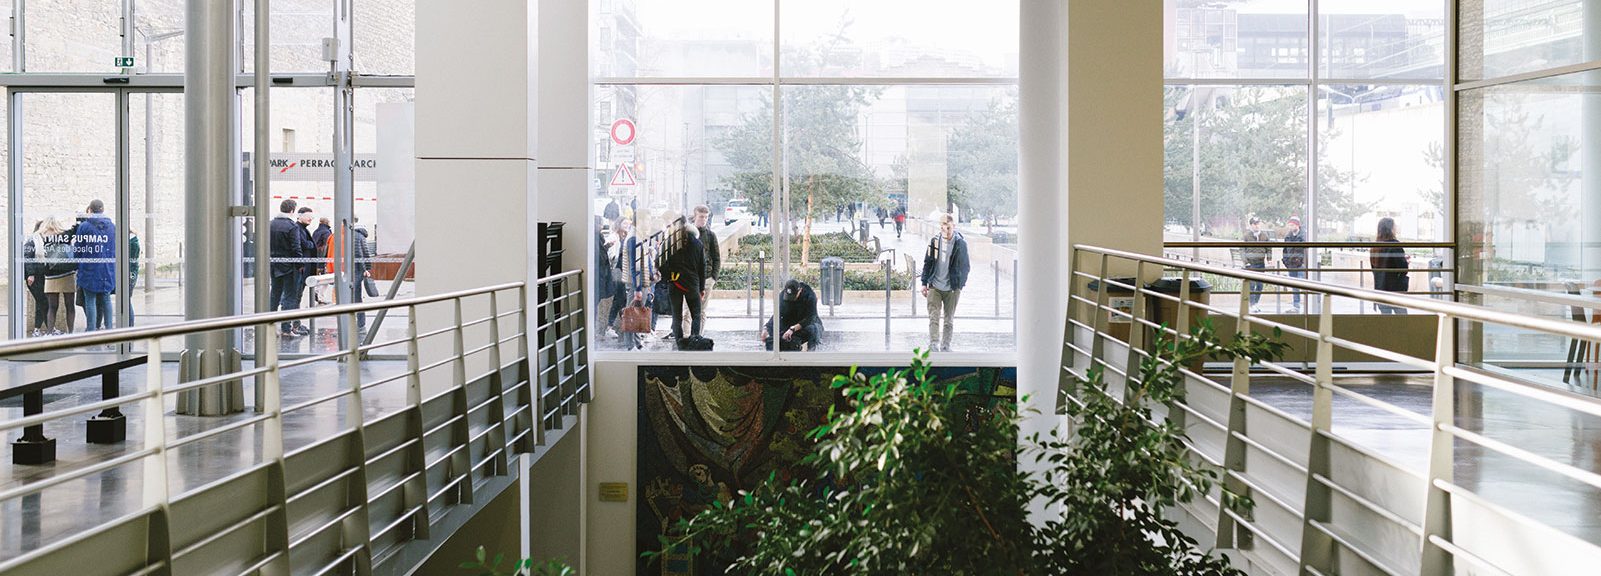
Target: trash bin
x=861, y=230
x=831, y=278
x=1164, y=311
x=1119, y=298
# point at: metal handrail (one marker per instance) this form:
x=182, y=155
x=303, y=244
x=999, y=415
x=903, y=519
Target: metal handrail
x=118, y=335
x=1454, y=309
x=1280, y=243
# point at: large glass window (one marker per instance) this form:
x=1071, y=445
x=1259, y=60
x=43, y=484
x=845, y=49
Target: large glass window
x=1505, y=37
x=1313, y=147
x=838, y=186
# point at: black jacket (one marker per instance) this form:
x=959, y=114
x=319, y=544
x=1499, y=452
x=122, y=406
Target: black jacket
x=685, y=265
x=1294, y=257
x=319, y=249
x=31, y=254
x=360, y=253
x=603, y=265
x=714, y=257
x=1393, y=280
x=802, y=311
x=959, y=263
x=286, y=245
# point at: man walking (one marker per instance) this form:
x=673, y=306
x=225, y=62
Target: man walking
x=945, y=269
x=685, y=264
x=285, y=249
x=95, y=248
x=1294, y=259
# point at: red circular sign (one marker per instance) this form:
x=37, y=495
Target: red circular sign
x=622, y=132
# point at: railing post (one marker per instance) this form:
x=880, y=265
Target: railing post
x=461, y=461
x=155, y=465
x=527, y=369
x=497, y=392
x=1437, y=504
x=415, y=494
x=1136, y=333
x=1102, y=316
x=1317, y=551
x=359, y=525
x=581, y=357
x=1233, y=447
x=272, y=447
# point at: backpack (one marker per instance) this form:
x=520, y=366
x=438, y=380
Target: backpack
x=695, y=343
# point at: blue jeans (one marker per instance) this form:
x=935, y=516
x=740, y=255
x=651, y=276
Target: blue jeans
x=285, y=294
x=1295, y=298
x=1256, y=287
x=98, y=311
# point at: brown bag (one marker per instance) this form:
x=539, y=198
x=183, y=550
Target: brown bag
x=635, y=319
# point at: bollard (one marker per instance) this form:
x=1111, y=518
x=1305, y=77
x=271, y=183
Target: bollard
x=761, y=289
x=995, y=268
x=747, y=287
x=888, y=268
x=915, y=281
x=1014, y=296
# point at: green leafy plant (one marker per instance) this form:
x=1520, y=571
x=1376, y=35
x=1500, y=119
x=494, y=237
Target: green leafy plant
x=917, y=477
x=835, y=244
x=1121, y=466
x=734, y=276
x=525, y=567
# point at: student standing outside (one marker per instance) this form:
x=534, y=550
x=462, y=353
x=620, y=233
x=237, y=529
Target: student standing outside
x=95, y=248
x=286, y=253
x=1389, y=266
x=713, y=256
x=60, y=274
x=1256, y=256
x=1294, y=258
x=945, y=267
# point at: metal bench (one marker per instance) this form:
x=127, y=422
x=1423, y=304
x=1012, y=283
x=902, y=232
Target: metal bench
x=29, y=380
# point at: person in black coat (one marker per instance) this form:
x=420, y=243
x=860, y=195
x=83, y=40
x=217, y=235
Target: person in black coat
x=319, y=243
x=1389, y=266
x=684, y=273
x=286, y=249
x=797, y=313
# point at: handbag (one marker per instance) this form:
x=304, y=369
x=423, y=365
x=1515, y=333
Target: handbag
x=635, y=319
x=371, y=286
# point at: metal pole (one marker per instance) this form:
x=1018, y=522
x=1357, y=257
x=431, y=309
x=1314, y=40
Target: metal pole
x=261, y=195
x=344, y=176
x=208, y=184
x=887, y=269
x=148, y=249
x=761, y=290
x=995, y=268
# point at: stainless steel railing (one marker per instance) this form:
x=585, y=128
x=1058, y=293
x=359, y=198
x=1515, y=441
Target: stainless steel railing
x=1351, y=475
x=352, y=469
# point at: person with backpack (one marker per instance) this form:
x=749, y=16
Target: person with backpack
x=945, y=267
x=684, y=272
x=900, y=220
x=95, y=248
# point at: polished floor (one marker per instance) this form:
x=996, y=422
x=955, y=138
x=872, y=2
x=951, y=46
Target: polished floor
x=1564, y=435
x=39, y=519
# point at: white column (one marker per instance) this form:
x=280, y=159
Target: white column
x=1590, y=149
x=1042, y=203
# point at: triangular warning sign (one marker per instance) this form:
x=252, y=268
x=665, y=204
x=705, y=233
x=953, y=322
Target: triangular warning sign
x=623, y=176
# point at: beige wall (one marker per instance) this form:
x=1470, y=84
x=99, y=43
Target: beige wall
x=612, y=427
x=495, y=528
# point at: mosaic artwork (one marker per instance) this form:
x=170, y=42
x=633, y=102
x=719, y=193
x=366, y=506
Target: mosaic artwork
x=705, y=433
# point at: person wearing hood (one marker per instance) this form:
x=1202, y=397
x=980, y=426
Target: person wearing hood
x=945, y=269
x=95, y=248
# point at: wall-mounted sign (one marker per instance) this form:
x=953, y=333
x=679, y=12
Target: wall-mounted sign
x=315, y=167
x=123, y=62
x=622, y=132
x=613, y=491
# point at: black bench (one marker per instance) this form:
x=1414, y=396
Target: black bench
x=29, y=380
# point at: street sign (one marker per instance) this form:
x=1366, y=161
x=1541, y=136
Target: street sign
x=622, y=132
x=622, y=154
x=124, y=62
x=623, y=177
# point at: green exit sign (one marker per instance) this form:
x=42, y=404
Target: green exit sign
x=124, y=62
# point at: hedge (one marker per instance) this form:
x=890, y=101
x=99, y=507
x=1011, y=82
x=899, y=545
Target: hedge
x=837, y=244
x=733, y=277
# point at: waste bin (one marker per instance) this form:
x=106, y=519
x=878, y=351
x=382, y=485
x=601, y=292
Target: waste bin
x=861, y=230
x=1118, y=298
x=1164, y=311
x=831, y=278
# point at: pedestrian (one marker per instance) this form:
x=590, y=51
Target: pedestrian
x=360, y=271
x=95, y=249
x=319, y=241
x=1294, y=259
x=33, y=268
x=714, y=255
x=1390, y=266
x=60, y=275
x=686, y=262
x=135, y=251
x=882, y=215
x=900, y=220
x=612, y=211
x=604, y=283
x=1256, y=256
x=315, y=261
x=797, y=314
x=945, y=267
x=286, y=249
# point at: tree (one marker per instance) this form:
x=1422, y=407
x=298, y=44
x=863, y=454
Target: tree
x=821, y=150
x=982, y=164
x=1253, y=154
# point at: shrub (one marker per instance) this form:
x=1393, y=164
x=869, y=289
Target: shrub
x=733, y=277
x=836, y=244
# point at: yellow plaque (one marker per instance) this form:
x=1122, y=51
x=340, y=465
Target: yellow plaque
x=613, y=491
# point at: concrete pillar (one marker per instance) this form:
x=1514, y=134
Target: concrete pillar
x=209, y=182
x=476, y=114
x=1042, y=203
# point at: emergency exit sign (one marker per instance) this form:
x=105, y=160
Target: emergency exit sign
x=124, y=62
